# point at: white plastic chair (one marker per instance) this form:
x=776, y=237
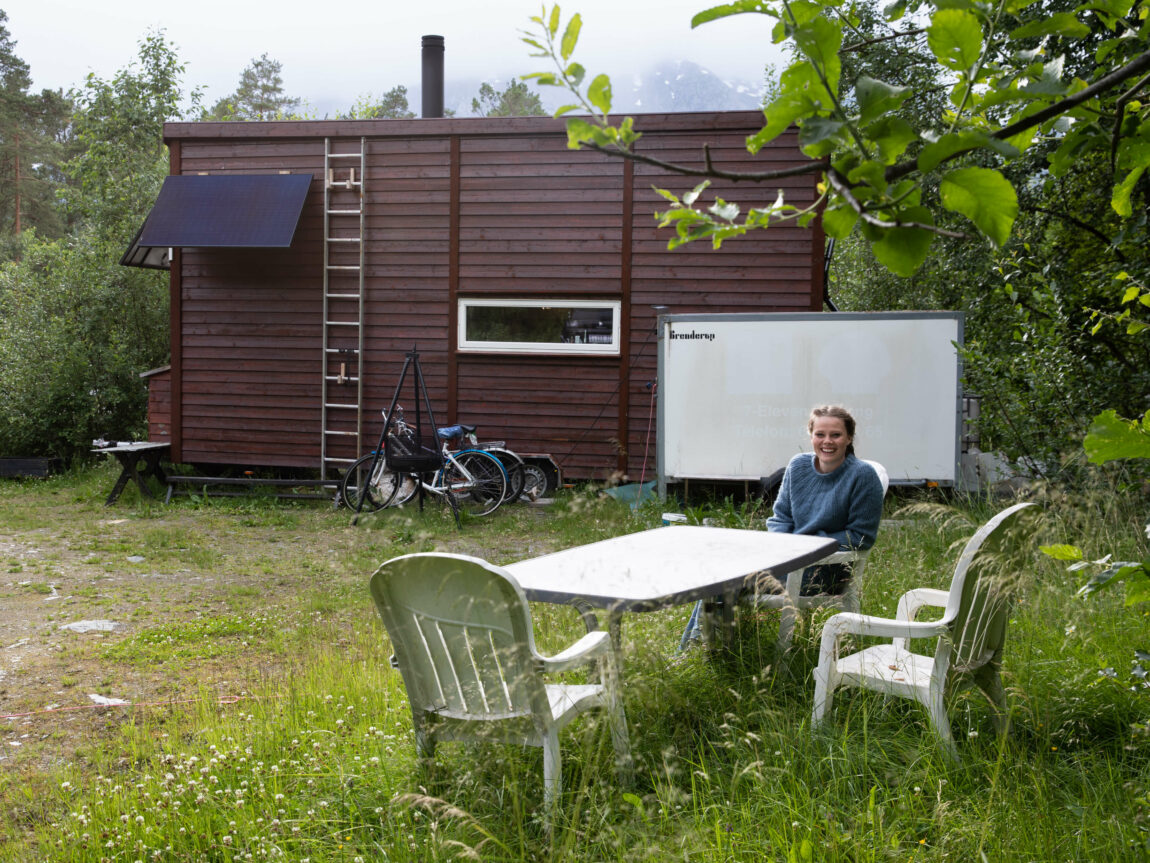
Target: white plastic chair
x=789, y=603
x=970, y=633
x=462, y=635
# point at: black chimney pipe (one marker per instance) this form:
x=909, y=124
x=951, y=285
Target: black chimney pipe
x=432, y=76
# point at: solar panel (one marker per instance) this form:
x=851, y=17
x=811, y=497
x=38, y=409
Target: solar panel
x=223, y=211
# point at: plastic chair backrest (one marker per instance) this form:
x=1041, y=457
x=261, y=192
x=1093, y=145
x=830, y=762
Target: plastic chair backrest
x=883, y=476
x=462, y=636
x=982, y=589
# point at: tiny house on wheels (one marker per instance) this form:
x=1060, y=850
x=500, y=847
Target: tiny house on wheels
x=307, y=257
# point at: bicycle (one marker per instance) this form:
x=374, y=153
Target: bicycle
x=472, y=480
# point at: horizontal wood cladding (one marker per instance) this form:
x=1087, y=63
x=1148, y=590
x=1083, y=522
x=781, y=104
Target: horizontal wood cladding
x=160, y=406
x=567, y=407
x=467, y=207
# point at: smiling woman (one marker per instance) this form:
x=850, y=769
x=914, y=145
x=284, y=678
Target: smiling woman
x=829, y=492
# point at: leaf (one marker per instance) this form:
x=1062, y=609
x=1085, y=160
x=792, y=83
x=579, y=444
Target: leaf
x=599, y=93
x=892, y=135
x=937, y=152
x=690, y=197
x=955, y=39
x=1062, y=551
x=1061, y=24
x=1137, y=578
x=1120, y=198
x=1111, y=438
x=570, y=36
x=817, y=135
x=724, y=210
x=727, y=9
x=780, y=114
x=902, y=250
x=985, y=197
x=579, y=131
x=553, y=23
x=838, y=222
x=820, y=41
x=542, y=78
x=876, y=98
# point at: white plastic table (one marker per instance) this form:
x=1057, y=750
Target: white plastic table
x=664, y=567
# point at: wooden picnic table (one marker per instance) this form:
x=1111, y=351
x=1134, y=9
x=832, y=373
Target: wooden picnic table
x=138, y=460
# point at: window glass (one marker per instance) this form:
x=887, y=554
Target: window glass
x=524, y=326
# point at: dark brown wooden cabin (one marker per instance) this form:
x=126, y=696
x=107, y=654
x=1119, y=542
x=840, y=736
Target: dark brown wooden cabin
x=455, y=210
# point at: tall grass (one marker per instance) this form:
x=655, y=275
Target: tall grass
x=314, y=759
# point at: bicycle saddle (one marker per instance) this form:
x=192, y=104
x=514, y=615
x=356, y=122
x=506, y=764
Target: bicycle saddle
x=449, y=432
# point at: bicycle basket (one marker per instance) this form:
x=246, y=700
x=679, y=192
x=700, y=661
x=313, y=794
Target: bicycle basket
x=421, y=460
x=408, y=452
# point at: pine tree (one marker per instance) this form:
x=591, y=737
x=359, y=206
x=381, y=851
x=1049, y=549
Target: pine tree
x=32, y=129
x=259, y=96
x=516, y=101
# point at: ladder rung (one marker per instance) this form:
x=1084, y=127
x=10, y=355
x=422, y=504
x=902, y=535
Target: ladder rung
x=348, y=351
x=342, y=296
x=343, y=239
x=341, y=407
x=345, y=212
x=346, y=379
x=345, y=185
x=339, y=433
x=343, y=323
x=345, y=155
x=344, y=267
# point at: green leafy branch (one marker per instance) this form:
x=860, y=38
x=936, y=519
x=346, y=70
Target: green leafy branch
x=1134, y=295
x=1112, y=438
x=874, y=162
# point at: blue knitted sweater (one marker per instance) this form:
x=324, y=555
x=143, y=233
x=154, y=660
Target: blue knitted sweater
x=845, y=504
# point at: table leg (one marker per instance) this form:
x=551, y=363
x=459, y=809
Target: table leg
x=615, y=628
x=718, y=621
x=129, y=462
x=121, y=483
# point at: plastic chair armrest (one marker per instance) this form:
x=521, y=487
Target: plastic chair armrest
x=848, y=622
x=591, y=646
x=844, y=557
x=913, y=601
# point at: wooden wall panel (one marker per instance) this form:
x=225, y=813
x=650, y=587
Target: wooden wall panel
x=567, y=407
x=459, y=208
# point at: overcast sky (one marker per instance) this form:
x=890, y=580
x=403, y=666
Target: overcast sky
x=337, y=50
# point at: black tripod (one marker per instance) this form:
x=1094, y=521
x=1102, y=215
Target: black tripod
x=409, y=448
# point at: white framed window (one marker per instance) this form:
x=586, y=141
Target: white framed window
x=539, y=326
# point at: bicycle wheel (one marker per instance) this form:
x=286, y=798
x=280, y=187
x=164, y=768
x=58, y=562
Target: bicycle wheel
x=378, y=492
x=476, y=482
x=513, y=466
x=534, y=482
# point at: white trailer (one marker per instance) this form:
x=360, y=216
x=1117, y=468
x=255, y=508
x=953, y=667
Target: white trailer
x=735, y=391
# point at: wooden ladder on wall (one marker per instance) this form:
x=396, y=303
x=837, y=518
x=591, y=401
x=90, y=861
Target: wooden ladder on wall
x=344, y=302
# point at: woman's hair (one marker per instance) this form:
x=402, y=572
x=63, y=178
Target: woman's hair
x=835, y=411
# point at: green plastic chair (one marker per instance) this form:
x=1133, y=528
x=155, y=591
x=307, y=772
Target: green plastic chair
x=462, y=635
x=970, y=633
